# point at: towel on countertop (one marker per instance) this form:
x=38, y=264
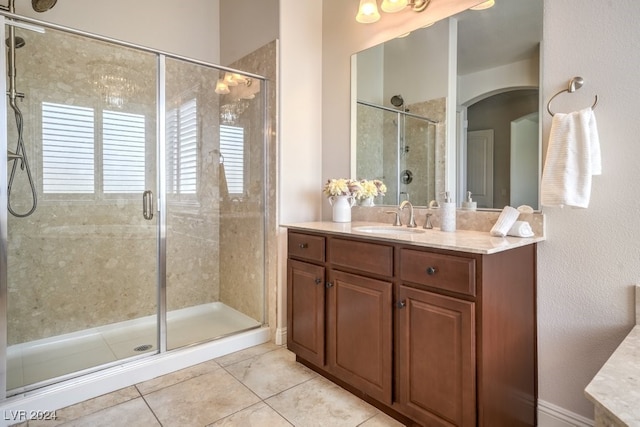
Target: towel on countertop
x=520, y=229
x=505, y=221
x=573, y=157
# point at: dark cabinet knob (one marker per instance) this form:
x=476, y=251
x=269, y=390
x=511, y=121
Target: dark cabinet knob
x=431, y=271
x=303, y=245
x=401, y=304
x=329, y=285
x=318, y=281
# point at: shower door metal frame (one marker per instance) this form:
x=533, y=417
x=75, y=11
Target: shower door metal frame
x=161, y=209
x=161, y=206
x=4, y=214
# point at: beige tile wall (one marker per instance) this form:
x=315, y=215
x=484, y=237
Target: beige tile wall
x=80, y=262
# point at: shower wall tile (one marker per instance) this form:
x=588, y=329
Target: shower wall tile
x=426, y=160
x=80, y=260
x=242, y=267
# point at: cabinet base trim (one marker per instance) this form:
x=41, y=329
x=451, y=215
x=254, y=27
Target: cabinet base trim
x=281, y=336
x=550, y=415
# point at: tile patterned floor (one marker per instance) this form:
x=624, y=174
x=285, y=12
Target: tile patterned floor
x=261, y=386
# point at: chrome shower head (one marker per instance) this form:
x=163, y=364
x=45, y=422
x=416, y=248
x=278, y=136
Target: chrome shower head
x=42, y=5
x=397, y=101
x=19, y=42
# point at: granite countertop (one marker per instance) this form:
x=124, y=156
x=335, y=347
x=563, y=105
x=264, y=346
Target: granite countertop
x=615, y=390
x=480, y=242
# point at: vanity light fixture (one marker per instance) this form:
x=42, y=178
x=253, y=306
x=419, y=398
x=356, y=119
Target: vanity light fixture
x=484, y=5
x=368, y=10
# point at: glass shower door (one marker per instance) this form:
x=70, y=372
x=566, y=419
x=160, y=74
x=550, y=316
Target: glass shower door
x=418, y=161
x=214, y=181
x=82, y=268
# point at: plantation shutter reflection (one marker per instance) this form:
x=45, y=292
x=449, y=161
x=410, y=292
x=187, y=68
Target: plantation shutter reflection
x=182, y=149
x=67, y=149
x=123, y=152
x=232, y=150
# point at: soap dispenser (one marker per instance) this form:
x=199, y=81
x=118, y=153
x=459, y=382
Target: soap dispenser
x=469, y=204
x=448, y=219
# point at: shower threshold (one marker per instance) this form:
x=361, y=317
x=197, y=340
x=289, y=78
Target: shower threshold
x=39, y=363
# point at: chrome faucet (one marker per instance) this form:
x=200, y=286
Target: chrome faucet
x=412, y=220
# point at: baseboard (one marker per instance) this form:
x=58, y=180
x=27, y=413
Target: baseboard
x=281, y=336
x=550, y=415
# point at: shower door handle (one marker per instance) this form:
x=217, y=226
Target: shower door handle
x=147, y=205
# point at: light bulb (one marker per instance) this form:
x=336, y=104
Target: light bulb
x=392, y=6
x=221, y=87
x=229, y=81
x=368, y=12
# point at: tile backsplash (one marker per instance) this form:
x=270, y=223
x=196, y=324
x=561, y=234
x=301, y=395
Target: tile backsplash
x=465, y=220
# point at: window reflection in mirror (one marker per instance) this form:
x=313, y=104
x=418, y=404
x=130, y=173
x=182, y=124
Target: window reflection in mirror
x=496, y=91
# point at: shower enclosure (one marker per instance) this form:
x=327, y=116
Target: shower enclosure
x=149, y=230
x=400, y=148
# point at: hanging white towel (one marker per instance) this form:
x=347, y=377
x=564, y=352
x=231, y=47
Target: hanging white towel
x=573, y=157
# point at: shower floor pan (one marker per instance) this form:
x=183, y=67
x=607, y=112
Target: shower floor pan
x=39, y=361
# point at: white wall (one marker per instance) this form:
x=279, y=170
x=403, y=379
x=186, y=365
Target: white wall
x=587, y=267
x=300, y=126
x=425, y=76
x=189, y=28
x=241, y=17
x=475, y=86
x=590, y=263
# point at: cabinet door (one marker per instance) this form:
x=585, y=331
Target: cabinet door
x=305, y=310
x=436, y=366
x=359, y=340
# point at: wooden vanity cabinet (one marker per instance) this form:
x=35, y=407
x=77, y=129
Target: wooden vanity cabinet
x=440, y=338
x=436, y=366
x=359, y=316
x=306, y=297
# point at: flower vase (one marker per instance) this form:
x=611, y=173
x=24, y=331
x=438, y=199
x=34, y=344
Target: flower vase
x=367, y=201
x=341, y=208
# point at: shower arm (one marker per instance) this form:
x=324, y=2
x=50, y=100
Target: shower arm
x=11, y=56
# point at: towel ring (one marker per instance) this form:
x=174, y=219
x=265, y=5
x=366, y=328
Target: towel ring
x=574, y=84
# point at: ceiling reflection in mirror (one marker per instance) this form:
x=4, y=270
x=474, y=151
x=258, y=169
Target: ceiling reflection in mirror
x=454, y=107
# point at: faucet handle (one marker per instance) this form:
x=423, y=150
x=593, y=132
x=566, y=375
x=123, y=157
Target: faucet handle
x=427, y=223
x=397, y=222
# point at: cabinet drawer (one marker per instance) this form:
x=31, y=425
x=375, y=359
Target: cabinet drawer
x=452, y=273
x=306, y=246
x=369, y=257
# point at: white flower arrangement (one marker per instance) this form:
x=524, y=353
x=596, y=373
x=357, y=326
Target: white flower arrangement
x=371, y=188
x=342, y=187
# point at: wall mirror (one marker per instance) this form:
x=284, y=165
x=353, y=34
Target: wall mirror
x=453, y=106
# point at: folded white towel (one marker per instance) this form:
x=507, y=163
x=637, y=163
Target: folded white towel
x=573, y=156
x=520, y=229
x=505, y=221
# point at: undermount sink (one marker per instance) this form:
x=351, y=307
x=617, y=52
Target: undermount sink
x=387, y=229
